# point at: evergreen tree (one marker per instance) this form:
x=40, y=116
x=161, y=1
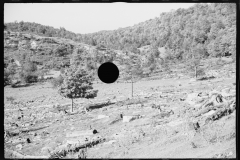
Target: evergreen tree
x=133, y=69
x=77, y=83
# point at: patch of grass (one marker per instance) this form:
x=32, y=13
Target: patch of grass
x=211, y=134
x=10, y=99
x=132, y=101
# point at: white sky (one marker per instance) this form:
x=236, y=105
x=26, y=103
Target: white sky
x=87, y=17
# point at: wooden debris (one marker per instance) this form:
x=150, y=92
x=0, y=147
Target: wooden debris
x=97, y=105
x=218, y=114
x=17, y=132
x=215, y=102
x=74, y=148
x=18, y=155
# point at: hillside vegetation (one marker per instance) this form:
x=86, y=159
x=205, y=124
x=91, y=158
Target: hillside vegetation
x=182, y=36
x=182, y=103
x=211, y=27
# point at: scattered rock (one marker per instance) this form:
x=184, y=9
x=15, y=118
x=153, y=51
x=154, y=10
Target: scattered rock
x=95, y=131
x=17, y=140
x=203, y=94
x=19, y=147
x=182, y=99
x=110, y=142
x=117, y=135
x=121, y=115
x=226, y=90
x=44, y=133
x=79, y=133
x=46, y=150
x=191, y=98
x=74, y=141
x=102, y=116
x=192, y=80
x=227, y=59
x=28, y=140
x=193, y=145
x=211, y=112
x=196, y=126
x=53, y=145
x=128, y=118
x=213, y=92
x=27, y=125
x=230, y=154
x=61, y=147
x=37, y=138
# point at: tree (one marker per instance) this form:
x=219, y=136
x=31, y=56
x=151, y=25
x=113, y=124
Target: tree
x=133, y=70
x=77, y=83
x=57, y=81
x=29, y=72
x=61, y=51
x=194, y=63
x=77, y=57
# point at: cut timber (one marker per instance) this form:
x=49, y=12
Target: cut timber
x=220, y=113
x=17, y=132
x=97, y=105
x=18, y=155
x=215, y=102
x=63, y=151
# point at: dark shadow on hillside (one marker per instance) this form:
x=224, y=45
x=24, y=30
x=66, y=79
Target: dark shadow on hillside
x=21, y=85
x=100, y=105
x=132, y=101
x=206, y=78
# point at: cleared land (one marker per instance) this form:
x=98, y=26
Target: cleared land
x=44, y=125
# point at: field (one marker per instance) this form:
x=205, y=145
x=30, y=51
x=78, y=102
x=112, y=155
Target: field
x=38, y=122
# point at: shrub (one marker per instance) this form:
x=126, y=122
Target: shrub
x=28, y=77
x=11, y=99
x=7, y=80
x=62, y=70
x=57, y=81
x=77, y=83
x=9, y=73
x=29, y=73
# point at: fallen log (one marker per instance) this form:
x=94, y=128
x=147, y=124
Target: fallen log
x=97, y=105
x=17, y=132
x=74, y=148
x=216, y=101
x=218, y=114
x=204, y=110
x=19, y=155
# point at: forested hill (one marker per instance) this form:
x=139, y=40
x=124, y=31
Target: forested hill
x=210, y=28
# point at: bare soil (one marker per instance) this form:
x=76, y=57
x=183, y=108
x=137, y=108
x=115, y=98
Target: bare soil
x=148, y=136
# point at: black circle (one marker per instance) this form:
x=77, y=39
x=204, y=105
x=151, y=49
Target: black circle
x=108, y=72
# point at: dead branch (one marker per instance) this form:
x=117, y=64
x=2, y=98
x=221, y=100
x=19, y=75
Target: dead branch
x=75, y=148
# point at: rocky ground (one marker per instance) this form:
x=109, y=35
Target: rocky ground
x=197, y=120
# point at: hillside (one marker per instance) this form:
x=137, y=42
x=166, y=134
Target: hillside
x=52, y=52
x=175, y=97
x=209, y=27
x=47, y=128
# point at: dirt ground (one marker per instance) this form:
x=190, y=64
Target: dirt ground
x=150, y=135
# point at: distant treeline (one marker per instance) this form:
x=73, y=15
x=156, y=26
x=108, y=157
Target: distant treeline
x=210, y=28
